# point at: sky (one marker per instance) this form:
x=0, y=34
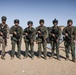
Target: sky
x=34, y=10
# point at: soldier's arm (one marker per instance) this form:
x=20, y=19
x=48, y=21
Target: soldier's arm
x=8, y=31
x=63, y=32
x=34, y=33
x=59, y=33
x=36, y=30
x=21, y=33
x=46, y=33
x=24, y=31
x=11, y=30
x=75, y=33
x=50, y=31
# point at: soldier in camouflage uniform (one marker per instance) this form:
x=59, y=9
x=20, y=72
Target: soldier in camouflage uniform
x=55, y=33
x=16, y=38
x=4, y=35
x=29, y=39
x=69, y=37
x=42, y=34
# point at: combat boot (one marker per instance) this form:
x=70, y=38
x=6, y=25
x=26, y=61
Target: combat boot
x=67, y=59
x=51, y=57
x=12, y=58
x=2, y=57
x=59, y=59
x=19, y=57
x=74, y=61
x=45, y=58
x=39, y=56
x=24, y=57
x=32, y=58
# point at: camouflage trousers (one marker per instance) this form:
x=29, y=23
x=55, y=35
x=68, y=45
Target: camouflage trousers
x=27, y=44
x=3, y=46
x=18, y=48
x=72, y=46
x=40, y=49
x=55, y=45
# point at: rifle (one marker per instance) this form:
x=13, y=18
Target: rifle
x=29, y=36
x=67, y=38
x=56, y=33
x=17, y=36
x=41, y=35
x=4, y=35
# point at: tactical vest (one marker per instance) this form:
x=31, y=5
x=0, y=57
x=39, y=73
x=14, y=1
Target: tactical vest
x=30, y=33
x=17, y=30
x=3, y=29
x=55, y=31
x=70, y=32
x=43, y=31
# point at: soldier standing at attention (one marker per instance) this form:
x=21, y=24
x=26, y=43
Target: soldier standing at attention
x=4, y=35
x=29, y=39
x=42, y=34
x=16, y=38
x=55, y=33
x=70, y=37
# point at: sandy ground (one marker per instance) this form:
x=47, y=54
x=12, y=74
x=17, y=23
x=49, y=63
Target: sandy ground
x=36, y=66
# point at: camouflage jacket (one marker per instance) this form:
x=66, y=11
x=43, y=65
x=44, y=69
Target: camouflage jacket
x=75, y=32
x=43, y=30
x=56, y=31
x=70, y=31
x=19, y=31
x=4, y=30
x=31, y=33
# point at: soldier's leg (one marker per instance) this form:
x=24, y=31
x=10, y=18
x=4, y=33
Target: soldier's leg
x=3, y=50
x=27, y=49
x=0, y=44
x=19, y=49
x=57, y=50
x=73, y=51
x=66, y=50
x=53, y=48
x=44, y=49
x=13, y=48
x=39, y=49
x=32, y=49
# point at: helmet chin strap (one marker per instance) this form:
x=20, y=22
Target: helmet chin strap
x=69, y=25
x=16, y=25
x=3, y=23
x=41, y=25
x=29, y=26
x=55, y=25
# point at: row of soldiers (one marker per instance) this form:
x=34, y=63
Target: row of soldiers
x=40, y=35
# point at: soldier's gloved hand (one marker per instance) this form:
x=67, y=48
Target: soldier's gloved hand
x=26, y=33
x=45, y=39
x=57, y=40
x=1, y=33
x=74, y=41
x=53, y=35
x=66, y=34
x=19, y=39
x=15, y=33
x=38, y=31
